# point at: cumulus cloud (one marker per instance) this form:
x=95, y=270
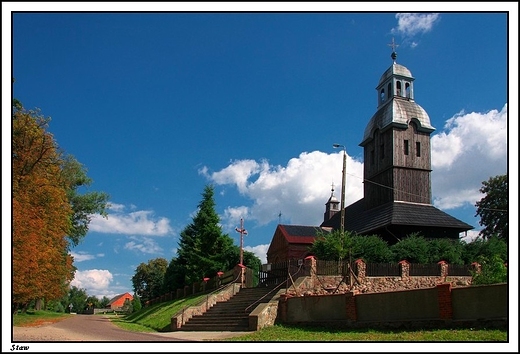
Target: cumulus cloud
x=145, y=245
x=411, y=24
x=260, y=251
x=141, y=222
x=471, y=148
x=94, y=281
x=299, y=190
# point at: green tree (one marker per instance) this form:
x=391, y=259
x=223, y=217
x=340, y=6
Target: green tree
x=372, y=249
x=413, y=248
x=93, y=302
x=127, y=307
x=486, y=248
x=77, y=297
x=492, y=271
x=83, y=205
x=334, y=245
x=136, y=303
x=445, y=250
x=203, y=248
x=104, y=302
x=493, y=208
x=148, y=279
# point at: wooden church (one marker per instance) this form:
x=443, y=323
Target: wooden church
x=397, y=178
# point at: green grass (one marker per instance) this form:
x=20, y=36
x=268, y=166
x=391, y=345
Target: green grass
x=285, y=333
x=157, y=317
x=37, y=318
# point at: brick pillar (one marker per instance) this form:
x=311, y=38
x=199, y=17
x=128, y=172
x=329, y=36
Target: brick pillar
x=405, y=269
x=444, y=299
x=351, y=306
x=444, y=270
x=361, y=270
x=310, y=263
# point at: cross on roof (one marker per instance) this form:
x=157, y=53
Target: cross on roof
x=393, y=45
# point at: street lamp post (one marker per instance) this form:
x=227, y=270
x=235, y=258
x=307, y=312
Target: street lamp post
x=343, y=182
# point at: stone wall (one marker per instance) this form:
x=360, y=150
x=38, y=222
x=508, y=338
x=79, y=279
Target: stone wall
x=323, y=285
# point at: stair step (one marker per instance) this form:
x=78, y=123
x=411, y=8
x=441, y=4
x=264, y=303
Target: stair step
x=230, y=315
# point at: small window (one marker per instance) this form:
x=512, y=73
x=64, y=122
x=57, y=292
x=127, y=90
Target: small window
x=389, y=90
x=418, y=149
x=372, y=158
x=398, y=88
x=382, y=147
x=407, y=89
x=406, y=148
x=382, y=95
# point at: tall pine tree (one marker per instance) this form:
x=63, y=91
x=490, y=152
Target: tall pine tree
x=203, y=248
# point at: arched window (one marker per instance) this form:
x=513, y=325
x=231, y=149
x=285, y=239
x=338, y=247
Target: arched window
x=389, y=90
x=382, y=95
x=398, y=88
x=407, y=88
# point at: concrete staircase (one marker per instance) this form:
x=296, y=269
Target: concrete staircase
x=231, y=315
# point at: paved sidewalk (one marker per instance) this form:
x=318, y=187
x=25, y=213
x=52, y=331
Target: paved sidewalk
x=200, y=336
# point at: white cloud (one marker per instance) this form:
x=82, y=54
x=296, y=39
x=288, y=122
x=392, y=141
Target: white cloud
x=94, y=281
x=140, y=222
x=233, y=216
x=298, y=190
x=470, y=149
x=260, y=251
x=83, y=256
x=146, y=245
x=410, y=24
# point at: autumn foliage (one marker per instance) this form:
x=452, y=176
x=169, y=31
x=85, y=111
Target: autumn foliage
x=43, y=215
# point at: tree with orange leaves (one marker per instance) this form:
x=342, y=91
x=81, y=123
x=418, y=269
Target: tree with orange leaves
x=48, y=214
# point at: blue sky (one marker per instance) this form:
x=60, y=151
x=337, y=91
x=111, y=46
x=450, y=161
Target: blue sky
x=157, y=105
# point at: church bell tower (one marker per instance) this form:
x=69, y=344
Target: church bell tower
x=396, y=143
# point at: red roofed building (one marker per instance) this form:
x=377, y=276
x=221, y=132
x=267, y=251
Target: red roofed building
x=118, y=301
x=292, y=242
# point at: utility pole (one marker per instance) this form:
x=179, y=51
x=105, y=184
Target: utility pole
x=242, y=232
x=343, y=183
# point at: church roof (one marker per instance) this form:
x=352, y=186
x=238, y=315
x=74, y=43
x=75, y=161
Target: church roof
x=399, y=112
x=363, y=221
x=395, y=69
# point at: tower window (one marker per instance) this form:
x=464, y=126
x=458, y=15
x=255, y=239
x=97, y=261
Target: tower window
x=382, y=147
x=389, y=90
x=406, y=148
x=418, y=149
x=382, y=95
x=398, y=88
x=372, y=158
x=407, y=89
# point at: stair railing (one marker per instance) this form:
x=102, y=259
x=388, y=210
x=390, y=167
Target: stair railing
x=277, y=286
x=222, y=287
